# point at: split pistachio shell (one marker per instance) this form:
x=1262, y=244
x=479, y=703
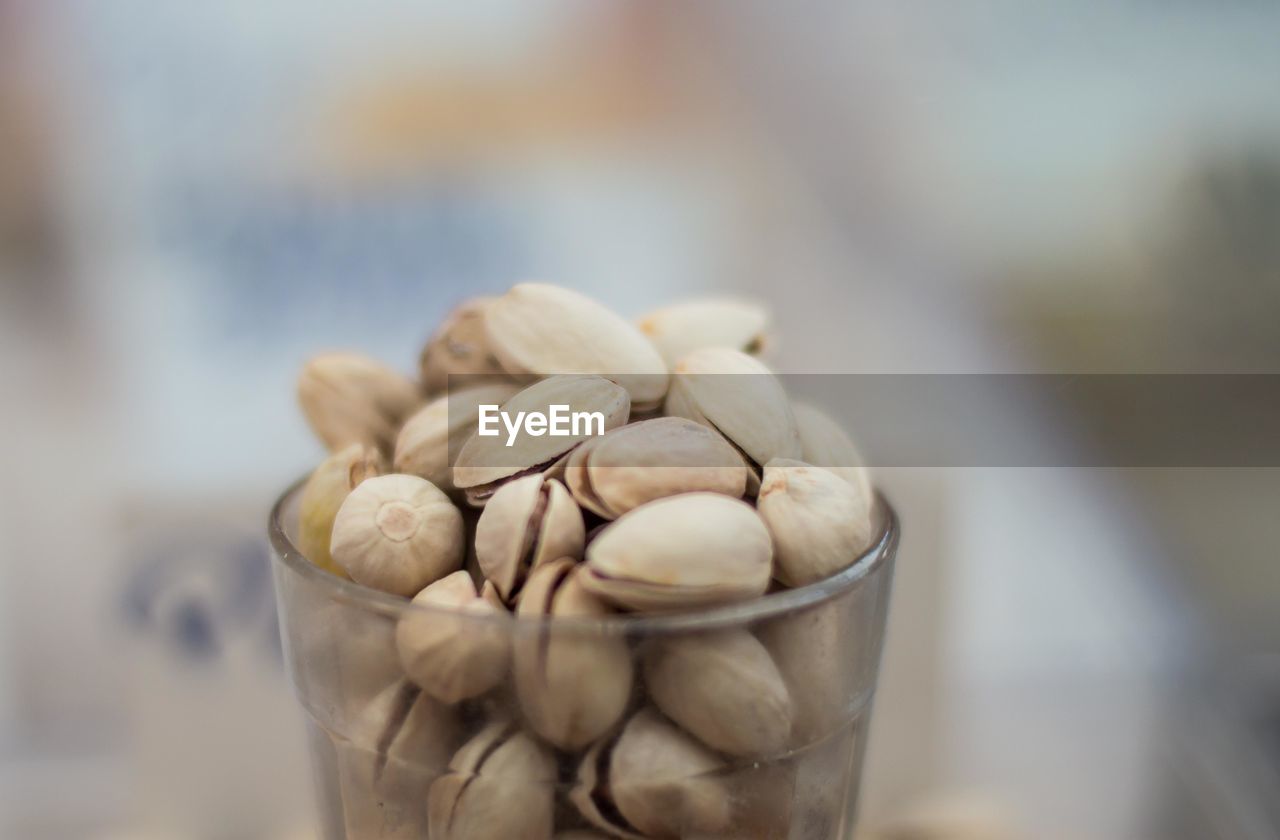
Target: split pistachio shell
x=824, y=443
x=680, y=329
x=399, y=746
x=723, y=688
x=423, y=447
x=542, y=329
x=573, y=687
x=683, y=551
x=528, y=522
x=349, y=398
x=453, y=657
x=811, y=650
x=324, y=493
x=484, y=462
x=820, y=523
x=658, y=781
x=397, y=533
x=501, y=786
x=458, y=352
x=649, y=460
x=738, y=396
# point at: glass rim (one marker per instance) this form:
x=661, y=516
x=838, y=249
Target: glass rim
x=714, y=617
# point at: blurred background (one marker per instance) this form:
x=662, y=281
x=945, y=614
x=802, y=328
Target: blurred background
x=195, y=197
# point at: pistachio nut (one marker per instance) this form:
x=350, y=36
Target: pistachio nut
x=573, y=687
x=501, y=786
x=820, y=523
x=723, y=688
x=324, y=493
x=812, y=651
x=453, y=657
x=345, y=651
x=652, y=781
x=651, y=460
x=739, y=397
x=398, y=747
x=484, y=463
x=682, y=551
x=349, y=398
x=528, y=522
x=423, y=446
x=825, y=444
x=397, y=533
x=458, y=352
x=536, y=328
x=680, y=329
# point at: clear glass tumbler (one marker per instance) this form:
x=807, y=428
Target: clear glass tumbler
x=390, y=761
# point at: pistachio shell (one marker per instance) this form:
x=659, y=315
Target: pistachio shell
x=458, y=353
x=824, y=443
x=723, y=688
x=812, y=651
x=573, y=687
x=502, y=786
x=485, y=462
x=660, y=782
x=453, y=657
x=680, y=329
x=649, y=460
x=820, y=523
x=349, y=398
x=683, y=551
x=397, y=533
x=528, y=522
x=423, y=446
x=323, y=494
x=738, y=396
x=400, y=746
x=542, y=329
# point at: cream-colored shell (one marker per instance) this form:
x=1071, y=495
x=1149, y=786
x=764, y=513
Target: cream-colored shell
x=572, y=686
x=484, y=462
x=423, y=446
x=543, y=329
x=738, y=396
x=453, y=657
x=528, y=522
x=397, y=533
x=323, y=494
x=458, y=353
x=820, y=523
x=502, y=786
x=661, y=781
x=681, y=328
x=723, y=688
x=649, y=460
x=679, y=552
x=349, y=398
x=824, y=443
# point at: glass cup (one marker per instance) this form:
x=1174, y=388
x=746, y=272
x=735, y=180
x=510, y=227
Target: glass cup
x=757, y=729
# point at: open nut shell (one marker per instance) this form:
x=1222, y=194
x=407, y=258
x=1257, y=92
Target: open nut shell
x=542, y=329
x=423, y=446
x=739, y=397
x=501, y=786
x=349, y=398
x=573, y=688
x=453, y=657
x=458, y=353
x=484, y=463
x=723, y=688
x=649, y=460
x=653, y=781
x=325, y=490
x=528, y=522
x=684, y=551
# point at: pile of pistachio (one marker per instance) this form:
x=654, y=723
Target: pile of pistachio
x=704, y=490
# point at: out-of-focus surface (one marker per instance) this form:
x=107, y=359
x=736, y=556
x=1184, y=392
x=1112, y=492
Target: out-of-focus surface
x=193, y=197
